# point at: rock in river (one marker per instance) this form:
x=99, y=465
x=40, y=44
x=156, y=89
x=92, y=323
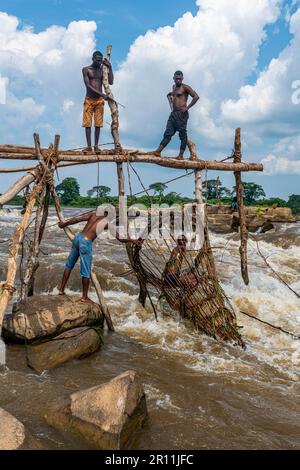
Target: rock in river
x=73, y=344
x=13, y=435
x=107, y=415
x=46, y=316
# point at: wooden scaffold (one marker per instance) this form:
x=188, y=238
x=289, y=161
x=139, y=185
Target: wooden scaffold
x=205, y=306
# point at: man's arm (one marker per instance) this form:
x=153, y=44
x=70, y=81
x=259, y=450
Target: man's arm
x=193, y=94
x=75, y=220
x=86, y=80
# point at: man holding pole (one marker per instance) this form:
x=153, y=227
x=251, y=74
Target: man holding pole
x=94, y=99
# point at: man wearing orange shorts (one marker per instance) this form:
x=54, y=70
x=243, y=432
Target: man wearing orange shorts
x=94, y=99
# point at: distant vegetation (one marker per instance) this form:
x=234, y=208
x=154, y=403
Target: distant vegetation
x=213, y=192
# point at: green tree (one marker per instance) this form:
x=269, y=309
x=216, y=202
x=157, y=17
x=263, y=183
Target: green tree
x=68, y=190
x=294, y=203
x=213, y=189
x=158, y=188
x=103, y=191
x=252, y=192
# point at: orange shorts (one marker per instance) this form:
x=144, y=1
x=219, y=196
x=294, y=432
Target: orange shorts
x=93, y=107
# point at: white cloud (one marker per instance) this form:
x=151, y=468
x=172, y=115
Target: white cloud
x=216, y=49
x=44, y=72
x=284, y=158
x=67, y=105
x=280, y=165
x=267, y=105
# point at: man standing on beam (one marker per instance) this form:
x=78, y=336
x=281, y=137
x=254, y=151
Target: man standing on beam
x=179, y=116
x=94, y=99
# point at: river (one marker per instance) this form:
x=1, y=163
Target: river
x=201, y=394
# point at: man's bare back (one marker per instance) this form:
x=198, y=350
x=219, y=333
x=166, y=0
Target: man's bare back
x=94, y=226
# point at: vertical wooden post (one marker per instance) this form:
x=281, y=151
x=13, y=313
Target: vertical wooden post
x=39, y=236
x=15, y=242
x=112, y=104
x=240, y=202
x=121, y=180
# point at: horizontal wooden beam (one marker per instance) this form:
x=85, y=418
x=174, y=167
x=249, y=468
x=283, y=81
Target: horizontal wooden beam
x=162, y=161
x=145, y=158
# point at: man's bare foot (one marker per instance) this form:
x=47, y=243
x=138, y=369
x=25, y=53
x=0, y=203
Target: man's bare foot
x=179, y=157
x=96, y=148
x=61, y=293
x=156, y=153
x=86, y=300
x=87, y=149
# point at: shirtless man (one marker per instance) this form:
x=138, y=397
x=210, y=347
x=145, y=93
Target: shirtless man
x=82, y=246
x=178, y=119
x=94, y=99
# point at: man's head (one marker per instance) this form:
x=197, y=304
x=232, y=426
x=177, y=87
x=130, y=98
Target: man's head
x=97, y=59
x=178, y=77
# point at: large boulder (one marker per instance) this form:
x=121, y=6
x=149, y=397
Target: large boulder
x=74, y=344
x=107, y=416
x=41, y=317
x=13, y=435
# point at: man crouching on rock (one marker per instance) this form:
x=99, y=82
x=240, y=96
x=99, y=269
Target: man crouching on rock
x=82, y=247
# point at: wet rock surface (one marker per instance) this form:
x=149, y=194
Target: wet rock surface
x=74, y=344
x=41, y=317
x=107, y=416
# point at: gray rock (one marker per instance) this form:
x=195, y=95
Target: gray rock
x=42, y=317
x=73, y=344
x=107, y=416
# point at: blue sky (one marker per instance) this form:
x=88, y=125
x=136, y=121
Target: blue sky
x=267, y=133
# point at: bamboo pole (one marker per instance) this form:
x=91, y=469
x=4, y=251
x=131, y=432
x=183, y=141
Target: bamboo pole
x=240, y=201
x=112, y=104
x=70, y=234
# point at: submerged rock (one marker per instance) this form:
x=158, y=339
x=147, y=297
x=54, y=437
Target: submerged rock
x=41, y=317
x=13, y=435
x=74, y=344
x=107, y=415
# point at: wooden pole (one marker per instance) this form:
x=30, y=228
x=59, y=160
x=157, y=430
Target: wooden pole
x=70, y=234
x=240, y=202
x=16, y=240
x=17, y=187
x=41, y=217
x=198, y=176
x=112, y=104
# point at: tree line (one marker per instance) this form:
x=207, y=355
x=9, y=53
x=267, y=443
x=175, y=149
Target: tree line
x=213, y=192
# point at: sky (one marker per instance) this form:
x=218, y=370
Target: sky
x=241, y=57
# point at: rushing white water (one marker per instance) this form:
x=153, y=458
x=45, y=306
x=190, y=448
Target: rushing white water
x=268, y=368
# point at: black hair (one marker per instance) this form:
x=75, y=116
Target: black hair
x=97, y=53
x=178, y=72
